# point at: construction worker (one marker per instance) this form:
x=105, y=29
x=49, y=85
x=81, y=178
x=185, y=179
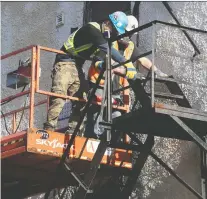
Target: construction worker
x=93, y=116
x=131, y=51
x=80, y=46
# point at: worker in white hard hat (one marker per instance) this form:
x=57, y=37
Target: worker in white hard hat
x=131, y=50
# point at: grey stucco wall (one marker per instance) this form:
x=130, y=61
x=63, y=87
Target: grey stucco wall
x=25, y=23
x=174, y=56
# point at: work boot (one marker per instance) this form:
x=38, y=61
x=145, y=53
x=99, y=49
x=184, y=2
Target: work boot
x=69, y=131
x=159, y=73
x=48, y=127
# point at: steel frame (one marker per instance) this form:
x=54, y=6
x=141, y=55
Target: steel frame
x=138, y=166
x=184, y=102
x=96, y=161
x=102, y=146
x=34, y=88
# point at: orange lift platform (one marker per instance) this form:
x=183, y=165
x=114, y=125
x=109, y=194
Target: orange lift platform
x=30, y=157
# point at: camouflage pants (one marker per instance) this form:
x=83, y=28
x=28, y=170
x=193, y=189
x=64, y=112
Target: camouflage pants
x=65, y=77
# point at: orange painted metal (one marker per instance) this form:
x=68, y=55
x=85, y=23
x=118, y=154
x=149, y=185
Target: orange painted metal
x=11, y=147
x=75, y=98
x=17, y=52
x=59, y=95
x=13, y=137
x=14, y=96
x=38, y=68
x=32, y=89
x=39, y=48
x=13, y=152
x=21, y=109
x=11, y=142
x=83, y=148
x=50, y=50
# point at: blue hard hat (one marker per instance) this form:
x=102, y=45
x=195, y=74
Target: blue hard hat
x=119, y=20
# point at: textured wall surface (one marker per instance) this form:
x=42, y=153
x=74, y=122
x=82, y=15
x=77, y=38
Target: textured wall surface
x=26, y=23
x=174, y=56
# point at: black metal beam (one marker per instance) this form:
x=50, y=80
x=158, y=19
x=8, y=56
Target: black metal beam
x=77, y=177
x=147, y=25
x=167, y=6
x=181, y=114
x=179, y=26
x=182, y=109
x=72, y=139
x=109, y=90
x=137, y=167
x=164, y=165
x=174, y=88
x=166, y=95
x=196, y=138
x=135, y=12
x=129, y=33
x=142, y=55
x=94, y=166
x=203, y=156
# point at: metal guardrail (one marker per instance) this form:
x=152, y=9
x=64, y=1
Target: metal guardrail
x=34, y=87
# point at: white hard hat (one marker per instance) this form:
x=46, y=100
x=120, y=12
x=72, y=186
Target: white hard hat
x=132, y=23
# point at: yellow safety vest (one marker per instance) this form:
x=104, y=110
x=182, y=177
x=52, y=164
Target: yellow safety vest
x=69, y=44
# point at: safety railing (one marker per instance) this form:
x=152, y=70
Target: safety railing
x=153, y=24
x=38, y=90
x=31, y=91
x=35, y=88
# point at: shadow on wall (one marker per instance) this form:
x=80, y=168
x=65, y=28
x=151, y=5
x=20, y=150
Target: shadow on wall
x=171, y=188
x=172, y=40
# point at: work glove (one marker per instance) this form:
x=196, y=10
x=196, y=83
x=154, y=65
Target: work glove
x=99, y=65
x=131, y=71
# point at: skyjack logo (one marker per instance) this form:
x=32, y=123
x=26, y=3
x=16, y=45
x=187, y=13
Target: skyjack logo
x=54, y=143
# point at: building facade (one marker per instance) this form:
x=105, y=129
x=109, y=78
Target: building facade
x=49, y=24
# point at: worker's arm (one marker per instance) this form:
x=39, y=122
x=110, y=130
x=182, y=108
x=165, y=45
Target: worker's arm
x=100, y=42
x=97, y=38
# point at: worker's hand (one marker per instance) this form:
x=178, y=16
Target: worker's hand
x=99, y=65
x=131, y=71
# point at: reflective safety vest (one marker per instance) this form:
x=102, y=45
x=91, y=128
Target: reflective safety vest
x=69, y=44
x=93, y=71
x=129, y=50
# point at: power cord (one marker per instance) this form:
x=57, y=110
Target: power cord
x=25, y=102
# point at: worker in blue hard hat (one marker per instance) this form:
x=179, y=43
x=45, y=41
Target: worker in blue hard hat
x=80, y=46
